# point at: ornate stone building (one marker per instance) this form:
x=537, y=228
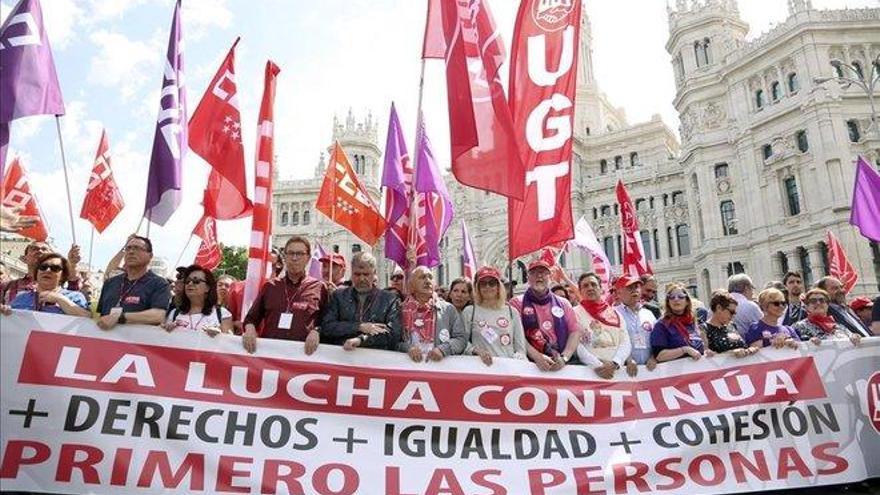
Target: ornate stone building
x=764, y=167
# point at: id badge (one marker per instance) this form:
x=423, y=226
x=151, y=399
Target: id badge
x=639, y=342
x=116, y=310
x=285, y=321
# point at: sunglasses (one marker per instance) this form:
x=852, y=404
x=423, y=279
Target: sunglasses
x=45, y=267
x=488, y=283
x=820, y=300
x=731, y=311
x=195, y=281
x=676, y=297
x=778, y=304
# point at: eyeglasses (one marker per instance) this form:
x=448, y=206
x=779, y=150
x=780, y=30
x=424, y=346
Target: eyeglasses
x=778, y=304
x=731, y=311
x=45, y=267
x=818, y=300
x=296, y=254
x=195, y=281
x=676, y=297
x=133, y=249
x=397, y=277
x=488, y=283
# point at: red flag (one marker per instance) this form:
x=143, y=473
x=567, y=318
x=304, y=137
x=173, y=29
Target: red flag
x=634, y=260
x=484, y=149
x=434, y=43
x=543, y=79
x=17, y=194
x=259, y=267
x=838, y=264
x=209, y=255
x=345, y=201
x=103, y=200
x=215, y=135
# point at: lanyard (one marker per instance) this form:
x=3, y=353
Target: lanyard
x=196, y=326
x=289, y=300
x=123, y=292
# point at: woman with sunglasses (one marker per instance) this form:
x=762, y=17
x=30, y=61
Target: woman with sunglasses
x=48, y=296
x=676, y=335
x=494, y=326
x=198, y=305
x=819, y=325
x=717, y=332
x=767, y=331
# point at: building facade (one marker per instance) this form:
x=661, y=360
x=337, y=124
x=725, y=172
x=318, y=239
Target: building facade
x=764, y=167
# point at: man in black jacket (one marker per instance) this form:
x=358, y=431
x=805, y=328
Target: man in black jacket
x=362, y=315
x=839, y=310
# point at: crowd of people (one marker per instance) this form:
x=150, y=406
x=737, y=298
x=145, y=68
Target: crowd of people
x=616, y=329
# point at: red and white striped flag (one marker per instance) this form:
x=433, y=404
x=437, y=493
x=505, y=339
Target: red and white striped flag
x=259, y=255
x=468, y=255
x=838, y=265
x=209, y=255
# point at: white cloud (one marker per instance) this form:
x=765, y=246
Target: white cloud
x=122, y=62
x=199, y=16
x=62, y=18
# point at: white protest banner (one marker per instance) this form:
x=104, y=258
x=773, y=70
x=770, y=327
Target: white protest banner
x=137, y=410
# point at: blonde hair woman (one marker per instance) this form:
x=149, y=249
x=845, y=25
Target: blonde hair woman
x=494, y=325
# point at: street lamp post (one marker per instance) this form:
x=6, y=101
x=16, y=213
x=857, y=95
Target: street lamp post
x=858, y=78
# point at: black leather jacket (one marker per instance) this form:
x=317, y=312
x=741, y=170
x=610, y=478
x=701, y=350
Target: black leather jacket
x=342, y=318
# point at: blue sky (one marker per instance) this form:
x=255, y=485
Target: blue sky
x=333, y=54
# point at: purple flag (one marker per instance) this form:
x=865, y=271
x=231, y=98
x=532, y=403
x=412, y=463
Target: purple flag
x=468, y=255
x=434, y=204
x=315, y=262
x=866, y=201
x=169, y=140
x=397, y=177
x=28, y=82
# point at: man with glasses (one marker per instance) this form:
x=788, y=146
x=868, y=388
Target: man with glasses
x=288, y=307
x=795, y=310
x=839, y=310
x=639, y=322
x=33, y=252
x=742, y=289
x=137, y=295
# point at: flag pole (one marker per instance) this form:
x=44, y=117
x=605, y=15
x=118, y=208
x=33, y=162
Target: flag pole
x=138, y=230
x=177, y=263
x=414, y=201
x=66, y=180
x=91, y=243
x=337, y=149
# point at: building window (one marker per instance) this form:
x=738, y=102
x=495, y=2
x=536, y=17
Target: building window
x=678, y=198
x=665, y=200
x=606, y=210
x=807, y=267
x=859, y=71
x=793, y=84
x=356, y=248
x=646, y=244
x=721, y=170
x=701, y=52
x=775, y=91
x=284, y=218
x=852, y=128
x=618, y=162
x=616, y=209
x=651, y=202
x=707, y=50
x=656, y=245
x=683, y=235
x=336, y=248
x=802, y=144
x=669, y=242
x=838, y=70
x=294, y=218
x=640, y=203
x=791, y=194
x=734, y=268
x=307, y=217
x=603, y=166
x=608, y=245
x=634, y=159
x=728, y=217
x=759, y=99
x=767, y=151
x=595, y=213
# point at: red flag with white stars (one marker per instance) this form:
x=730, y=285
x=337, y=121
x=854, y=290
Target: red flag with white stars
x=215, y=135
x=345, y=200
x=103, y=200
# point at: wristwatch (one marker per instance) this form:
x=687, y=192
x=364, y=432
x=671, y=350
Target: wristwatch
x=363, y=337
x=616, y=366
x=121, y=319
x=565, y=358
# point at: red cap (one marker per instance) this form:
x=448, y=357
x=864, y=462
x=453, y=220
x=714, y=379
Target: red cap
x=625, y=281
x=539, y=263
x=334, y=258
x=861, y=303
x=487, y=272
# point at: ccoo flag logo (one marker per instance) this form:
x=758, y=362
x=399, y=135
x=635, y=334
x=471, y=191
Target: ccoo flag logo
x=873, y=398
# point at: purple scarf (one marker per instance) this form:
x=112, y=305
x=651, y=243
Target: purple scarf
x=530, y=321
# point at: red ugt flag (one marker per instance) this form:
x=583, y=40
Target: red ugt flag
x=838, y=264
x=345, y=201
x=103, y=200
x=209, y=254
x=215, y=135
x=634, y=261
x=543, y=79
x=484, y=150
x=17, y=194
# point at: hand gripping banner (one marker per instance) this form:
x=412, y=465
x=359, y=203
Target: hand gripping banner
x=138, y=410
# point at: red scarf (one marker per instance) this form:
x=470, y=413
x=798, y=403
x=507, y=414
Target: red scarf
x=825, y=322
x=412, y=312
x=602, y=312
x=681, y=323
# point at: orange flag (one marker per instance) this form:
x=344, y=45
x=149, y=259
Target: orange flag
x=17, y=194
x=345, y=201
